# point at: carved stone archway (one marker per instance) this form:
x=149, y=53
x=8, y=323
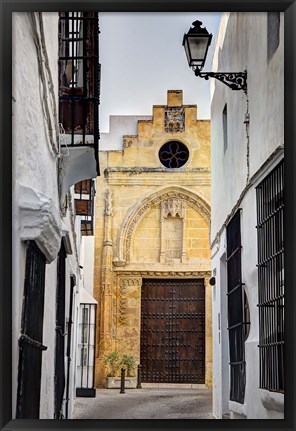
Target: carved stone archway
x=153, y=200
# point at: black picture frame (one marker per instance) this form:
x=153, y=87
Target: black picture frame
x=6, y=9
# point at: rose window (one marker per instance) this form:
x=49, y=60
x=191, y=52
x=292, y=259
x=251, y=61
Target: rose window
x=173, y=154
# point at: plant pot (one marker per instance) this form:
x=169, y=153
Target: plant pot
x=115, y=382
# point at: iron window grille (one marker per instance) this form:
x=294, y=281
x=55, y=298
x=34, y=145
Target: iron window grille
x=60, y=334
x=246, y=315
x=69, y=344
x=86, y=351
x=270, y=227
x=236, y=323
x=30, y=341
x=79, y=77
x=84, y=205
x=173, y=154
x=85, y=327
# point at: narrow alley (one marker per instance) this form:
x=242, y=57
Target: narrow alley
x=147, y=226
x=146, y=403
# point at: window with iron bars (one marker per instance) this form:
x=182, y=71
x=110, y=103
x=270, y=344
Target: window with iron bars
x=30, y=341
x=79, y=77
x=86, y=344
x=59, y=375
x=270, y=227
x=236, y=311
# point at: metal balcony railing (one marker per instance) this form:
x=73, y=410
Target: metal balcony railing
x=79, y=78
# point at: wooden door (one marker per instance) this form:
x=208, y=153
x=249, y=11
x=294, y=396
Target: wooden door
x=173, y=331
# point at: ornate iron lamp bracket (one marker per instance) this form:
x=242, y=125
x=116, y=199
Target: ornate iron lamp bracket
x=234, y=80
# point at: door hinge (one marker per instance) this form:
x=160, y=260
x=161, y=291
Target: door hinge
x=25, y=339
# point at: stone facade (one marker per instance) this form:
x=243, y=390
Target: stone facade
x=151, y=222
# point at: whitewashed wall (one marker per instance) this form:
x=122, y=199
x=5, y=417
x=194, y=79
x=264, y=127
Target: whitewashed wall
x=35, y=190
x=242, y=44
x=220, y=334
x=120, y=125
x=87, y=261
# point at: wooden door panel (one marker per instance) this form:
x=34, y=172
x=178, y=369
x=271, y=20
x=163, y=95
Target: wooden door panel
x=173, y=331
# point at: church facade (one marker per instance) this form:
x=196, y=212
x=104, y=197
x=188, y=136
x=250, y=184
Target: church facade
x=152, y=253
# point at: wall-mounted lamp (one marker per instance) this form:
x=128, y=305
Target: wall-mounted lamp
x=196, y=44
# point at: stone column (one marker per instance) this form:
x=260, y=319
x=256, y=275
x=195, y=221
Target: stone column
x=184, y=250
x=162, y=236
x=105, y=340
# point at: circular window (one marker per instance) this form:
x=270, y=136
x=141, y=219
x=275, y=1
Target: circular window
x=173, y=154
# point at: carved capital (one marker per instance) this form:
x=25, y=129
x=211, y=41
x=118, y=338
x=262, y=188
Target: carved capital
x=118, y=263
x=174, y=207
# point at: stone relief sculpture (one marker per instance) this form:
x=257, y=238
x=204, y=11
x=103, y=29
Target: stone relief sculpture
x=173, y=207
x=124, y=284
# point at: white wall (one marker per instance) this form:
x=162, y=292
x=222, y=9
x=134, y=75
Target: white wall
x=35, y=167
x=220, y=333
x=29, y=126
x=49, y=339
x=242, y=44
x=87, y=261
x=36, y=208
x=120, y=125
x=253, y=407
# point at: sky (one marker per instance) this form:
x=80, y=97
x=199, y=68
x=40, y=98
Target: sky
x=142, y=56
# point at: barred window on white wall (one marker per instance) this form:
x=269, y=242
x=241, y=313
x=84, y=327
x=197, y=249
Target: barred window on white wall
x=270, y=231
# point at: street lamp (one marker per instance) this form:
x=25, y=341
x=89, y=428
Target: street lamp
x=196, y=44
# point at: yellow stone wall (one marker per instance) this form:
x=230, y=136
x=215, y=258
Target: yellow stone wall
x=147, y=232
x=136, y=237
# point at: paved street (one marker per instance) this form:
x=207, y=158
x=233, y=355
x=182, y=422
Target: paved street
x=148, y=403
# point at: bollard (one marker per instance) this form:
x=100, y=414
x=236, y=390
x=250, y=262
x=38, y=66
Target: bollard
x=139, y=382
x=122, y=391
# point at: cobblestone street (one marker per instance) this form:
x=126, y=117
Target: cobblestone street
x=148, y=403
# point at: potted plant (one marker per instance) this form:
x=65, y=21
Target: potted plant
x=113, y=361
x=129, y=363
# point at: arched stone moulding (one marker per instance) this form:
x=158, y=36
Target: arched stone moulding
x=153, y=200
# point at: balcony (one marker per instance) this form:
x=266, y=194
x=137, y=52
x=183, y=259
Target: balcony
x=79, y=96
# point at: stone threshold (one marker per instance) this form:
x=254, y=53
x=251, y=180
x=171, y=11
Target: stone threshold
x=174, y=385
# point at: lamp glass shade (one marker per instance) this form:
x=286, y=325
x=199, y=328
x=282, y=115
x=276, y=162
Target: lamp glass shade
x=196, y=48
